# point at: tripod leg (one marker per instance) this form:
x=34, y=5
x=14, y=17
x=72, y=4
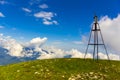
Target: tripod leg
x=104, y=44
x=94, y=45
x=88, y=44
x=86, y=52
x=97, y=45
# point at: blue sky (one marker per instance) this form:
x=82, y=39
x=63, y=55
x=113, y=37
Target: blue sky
x=62, y=21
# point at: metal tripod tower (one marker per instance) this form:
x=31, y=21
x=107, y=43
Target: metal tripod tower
x=95, y=41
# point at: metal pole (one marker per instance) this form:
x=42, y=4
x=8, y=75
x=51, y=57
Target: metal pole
x=94, y=44
x=97, y=45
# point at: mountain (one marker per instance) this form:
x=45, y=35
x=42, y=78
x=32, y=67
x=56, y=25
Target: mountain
x=5, y=58
x=62, y=69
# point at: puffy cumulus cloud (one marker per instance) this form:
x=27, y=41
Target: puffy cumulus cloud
x=111, y=30
x=77, y=54
x=46, y=17
x=36, y=42
x=111, y=56
x=11, y=45
x=114, y=56
x=34, y=45
x=18, y=50
x=1, y=14
x=43, y=6
x=26, y=10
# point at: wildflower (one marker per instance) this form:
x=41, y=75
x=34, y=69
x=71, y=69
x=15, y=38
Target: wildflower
x=33, y=67
x=36, y=73
x=88, y=76
x=91, y=73
x=48, y=73
x=18, y=70
x=41, y=70
x=63, y=76
x=47, y=70
x=95, y=77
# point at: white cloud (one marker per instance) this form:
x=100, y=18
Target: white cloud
x=12, y=45
x=1, y=27
x=26, y=10
x=37, y=42
x=111, y=56
x=16, y=49
x=1, y=14
x=111, y=30
x=46, y=17
x=52, y=53
x=43, y=6
x=74, y=53
x=77, y=54
x=114, y=57
x=47, y=22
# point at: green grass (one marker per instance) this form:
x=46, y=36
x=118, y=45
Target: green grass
x=62, y=69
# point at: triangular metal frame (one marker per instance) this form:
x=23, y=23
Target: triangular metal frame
x=95, y=29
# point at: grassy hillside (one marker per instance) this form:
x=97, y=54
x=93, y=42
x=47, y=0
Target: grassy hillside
x=62, y=69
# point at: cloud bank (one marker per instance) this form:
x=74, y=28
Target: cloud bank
x=16, y=49
x=111, y=30
x=11, y=45
x=34, y=47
